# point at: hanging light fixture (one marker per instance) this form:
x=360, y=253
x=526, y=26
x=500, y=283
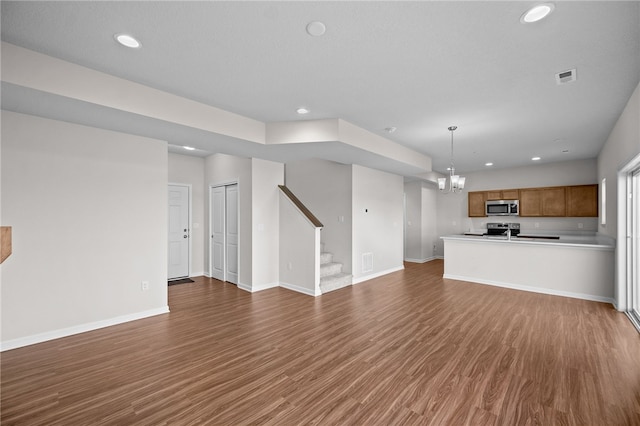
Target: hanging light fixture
x=456, y=183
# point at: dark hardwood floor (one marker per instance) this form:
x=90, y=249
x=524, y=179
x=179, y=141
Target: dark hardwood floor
x=406, y=348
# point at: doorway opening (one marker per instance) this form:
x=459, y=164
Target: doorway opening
x=225, y=236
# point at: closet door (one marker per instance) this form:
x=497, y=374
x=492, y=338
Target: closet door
x=224, y=233
x=217, y=249
x=232, y=239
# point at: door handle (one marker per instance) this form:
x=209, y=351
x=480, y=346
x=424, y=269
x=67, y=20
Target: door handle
x=184, y=236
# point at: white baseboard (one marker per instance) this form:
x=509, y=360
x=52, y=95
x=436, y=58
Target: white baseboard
x=257, y=287
x=425, y=260
x=197, y=274
x=260, y=287
x=82, y=328
x=302, y=290
x=376, y=275
x=244, y=287
x=550, y=291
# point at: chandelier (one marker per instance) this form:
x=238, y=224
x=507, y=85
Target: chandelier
x=456, y=183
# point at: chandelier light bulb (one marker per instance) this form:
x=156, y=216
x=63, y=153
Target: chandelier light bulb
x=456, y=182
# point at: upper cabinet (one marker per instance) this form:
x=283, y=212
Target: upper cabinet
x=543, y=202
x=503, y=194
x=556, y=201
x=582, y=201
x=476, y=204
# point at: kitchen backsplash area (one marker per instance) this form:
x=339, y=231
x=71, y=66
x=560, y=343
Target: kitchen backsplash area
x=538, y=225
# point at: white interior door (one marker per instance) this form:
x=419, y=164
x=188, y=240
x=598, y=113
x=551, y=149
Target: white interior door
x=217, y=252
x=224, y=247
x=232, y=233
x=178, y=249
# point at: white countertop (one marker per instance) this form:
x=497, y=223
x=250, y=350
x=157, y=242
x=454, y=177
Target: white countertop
x=582, y=241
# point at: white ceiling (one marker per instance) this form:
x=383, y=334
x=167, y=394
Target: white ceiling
x=417, y=66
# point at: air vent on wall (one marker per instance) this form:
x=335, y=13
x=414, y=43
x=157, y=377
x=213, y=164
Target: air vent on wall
x=566, y=76
x=367, y=262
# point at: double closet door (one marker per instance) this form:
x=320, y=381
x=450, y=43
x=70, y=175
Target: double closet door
x=224, y=246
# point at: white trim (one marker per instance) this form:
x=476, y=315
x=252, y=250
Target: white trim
x=224, y=182
x=428, y=259
x=256, y=288
x=623, y=266
x=549, y=291
x=299, y=289
x=634, y=320
x=376, y=275
x=241, y=286
x=82, y=328
x=198, y=274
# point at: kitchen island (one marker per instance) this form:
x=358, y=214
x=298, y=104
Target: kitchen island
x=572, y=266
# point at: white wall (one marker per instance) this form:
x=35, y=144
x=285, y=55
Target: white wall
x=324, y=187
x=188, y=170
x=580, y=272
x=453, y=208
x=265, y=178
x=420, y=221
x=299, y=250
x=430, y=237
x=622, y=145
x=222, y=169
x=89, y=214
x=413, y=221
x=377, y=207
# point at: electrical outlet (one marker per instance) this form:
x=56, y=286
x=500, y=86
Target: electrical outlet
x=144, y=285
x=580, y=226
x=537, y=225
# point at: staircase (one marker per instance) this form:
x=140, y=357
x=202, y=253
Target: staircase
x=331, y=275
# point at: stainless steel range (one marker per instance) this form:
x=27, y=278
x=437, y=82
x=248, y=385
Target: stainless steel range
x=503, y=228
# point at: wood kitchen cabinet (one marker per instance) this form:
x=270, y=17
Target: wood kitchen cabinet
x=582, y=201
x=503, y=194
x=556, y=201
x=543, y=202
x=476, y=204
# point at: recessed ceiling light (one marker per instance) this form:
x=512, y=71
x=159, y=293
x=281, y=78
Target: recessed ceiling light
x=128, y=41
x=316, y=28
x=537, y=13
x=189, y=148
x=535, y=158
x=390, y=129
x=302, y=111
x=488, y=164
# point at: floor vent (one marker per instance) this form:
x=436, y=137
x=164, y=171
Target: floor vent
x=566, y=76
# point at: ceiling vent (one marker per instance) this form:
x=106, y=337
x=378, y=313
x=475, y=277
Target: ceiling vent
x=565, y=77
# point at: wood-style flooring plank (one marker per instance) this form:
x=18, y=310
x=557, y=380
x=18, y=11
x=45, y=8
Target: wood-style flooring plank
x=409, y=348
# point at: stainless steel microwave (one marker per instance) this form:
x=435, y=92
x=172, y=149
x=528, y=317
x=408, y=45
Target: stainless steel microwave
x=502, y=208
